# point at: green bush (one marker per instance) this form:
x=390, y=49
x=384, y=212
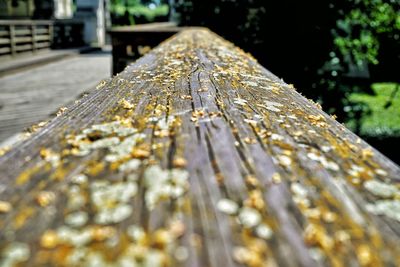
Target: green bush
x=380, y=115
x=129, y=11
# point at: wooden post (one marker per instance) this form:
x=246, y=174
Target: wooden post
x=51, y=33
x=33, y=34
x=195, y=155
x=12, y=40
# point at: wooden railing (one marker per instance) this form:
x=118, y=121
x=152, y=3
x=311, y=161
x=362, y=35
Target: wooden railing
x=196, y=155
x=17, y=36
x=131, y=42
x=67, y=33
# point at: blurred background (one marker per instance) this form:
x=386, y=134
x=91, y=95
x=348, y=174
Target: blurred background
x=344, y=54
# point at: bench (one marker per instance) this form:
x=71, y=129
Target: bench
x=131, y=42
x=195, y=155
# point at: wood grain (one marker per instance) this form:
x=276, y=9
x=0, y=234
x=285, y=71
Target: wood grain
x=196, y=155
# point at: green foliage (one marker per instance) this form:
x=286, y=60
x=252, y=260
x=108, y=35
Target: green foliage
x=358, y=31
x=365, y=42
x=134, y=9
x=380, y=116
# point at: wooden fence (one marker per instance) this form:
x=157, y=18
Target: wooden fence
x=195, y=155
x=17, y=36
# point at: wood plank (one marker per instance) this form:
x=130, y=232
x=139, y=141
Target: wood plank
x=25, y=39
x=42, y=37
x=42, y=31
x=42, y=45
x=4, y=40
x=145, y=27
x=23, y=47
x=4, y=33
x=196, y=155
x=26, y=22
x=5, y=50
x=19, y=32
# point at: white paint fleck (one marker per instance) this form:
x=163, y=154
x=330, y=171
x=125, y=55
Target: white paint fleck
x=284, y=160
x=79, y=179
x=250, y=83
x=277, y=137
x=227, y=206
x=381, y=189
x=239, y=101
x=249, y=217
x=381, y=172
x=14, y=253
x=389, y=208
x=76, y=219
x=299, y=190
x=313, y=156
x=135, y=232
x=264, y=231
x=129, y=166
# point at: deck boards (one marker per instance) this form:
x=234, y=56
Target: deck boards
x=196, y=155
x=34, y=95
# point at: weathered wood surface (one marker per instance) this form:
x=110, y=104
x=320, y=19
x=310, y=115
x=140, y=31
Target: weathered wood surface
x=196, y=155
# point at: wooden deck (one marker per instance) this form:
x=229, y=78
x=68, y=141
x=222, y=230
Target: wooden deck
x=37, y=93
x=196, y=155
